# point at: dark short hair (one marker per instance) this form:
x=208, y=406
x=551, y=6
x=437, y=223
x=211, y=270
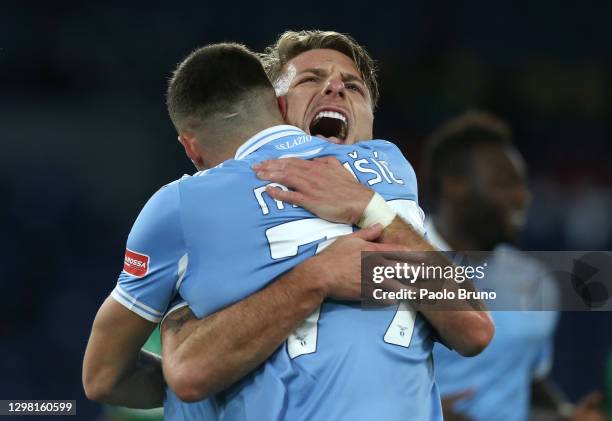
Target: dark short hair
x=449, y=148
x=291, y=44
x=211, y=79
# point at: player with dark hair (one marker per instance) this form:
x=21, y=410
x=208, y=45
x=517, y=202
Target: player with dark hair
x=477, y=185
x=219, y=93
x=456, y=151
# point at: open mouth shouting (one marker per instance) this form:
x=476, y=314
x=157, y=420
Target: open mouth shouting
x=332, y=125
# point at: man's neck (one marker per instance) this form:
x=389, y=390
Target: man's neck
x=234, y=138
x=454, y=232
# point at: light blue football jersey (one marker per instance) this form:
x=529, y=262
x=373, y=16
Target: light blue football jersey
x=216, y=237
x=521, y=350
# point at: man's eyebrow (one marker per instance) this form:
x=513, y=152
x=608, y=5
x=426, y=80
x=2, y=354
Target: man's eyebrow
x=349, y=77
x=314, y=70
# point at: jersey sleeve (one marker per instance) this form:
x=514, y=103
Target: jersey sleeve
x=546, y=297
x=155, y=257
x=543, y=361
x=549, y=299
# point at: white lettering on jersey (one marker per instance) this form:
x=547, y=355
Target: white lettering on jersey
x=296, y=141
x=259, y=191
x=347, y=166
x=380, y=169
x=385, y=164
x=360, y=166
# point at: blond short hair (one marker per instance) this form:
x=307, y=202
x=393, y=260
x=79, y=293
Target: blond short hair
x=291, y=44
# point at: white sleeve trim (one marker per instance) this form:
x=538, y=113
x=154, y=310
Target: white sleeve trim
x=136, y=306
x=173, y=309
x=542, y=370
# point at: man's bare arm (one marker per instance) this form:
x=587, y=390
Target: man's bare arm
x=545, y=394
x=202, y=357
x=324, y=187
x=115, y=371
x=467, y=327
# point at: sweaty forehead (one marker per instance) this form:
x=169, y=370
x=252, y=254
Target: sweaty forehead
x=324, y=59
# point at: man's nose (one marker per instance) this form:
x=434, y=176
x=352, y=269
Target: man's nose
x=334, y=87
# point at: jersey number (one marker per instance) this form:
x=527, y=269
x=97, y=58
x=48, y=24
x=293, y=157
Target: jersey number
x=285, y=240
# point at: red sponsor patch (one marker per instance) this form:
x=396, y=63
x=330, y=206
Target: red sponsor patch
x=136, y=264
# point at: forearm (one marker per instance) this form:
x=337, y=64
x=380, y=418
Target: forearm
x=401, y=232
x=142, y=386
x=115, y=370
x=466, y=327
x=209, y=355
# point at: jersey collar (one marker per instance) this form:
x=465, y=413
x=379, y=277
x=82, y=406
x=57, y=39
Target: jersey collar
x=266, y=136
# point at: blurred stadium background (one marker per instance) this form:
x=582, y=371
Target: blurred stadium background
x=86, y=140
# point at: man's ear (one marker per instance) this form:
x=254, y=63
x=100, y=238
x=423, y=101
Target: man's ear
x=282, y=105
x=193, y=150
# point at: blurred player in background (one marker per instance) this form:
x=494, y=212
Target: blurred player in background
x=477, y=183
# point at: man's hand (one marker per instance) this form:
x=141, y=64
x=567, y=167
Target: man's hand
x=547, y=396
x=589, y=408
x=322, y=186
x=339, y=266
